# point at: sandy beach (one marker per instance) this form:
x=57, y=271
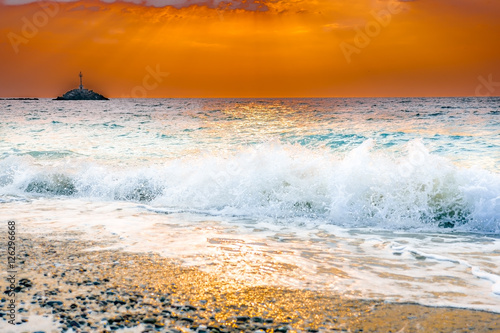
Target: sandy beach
x=78, y=287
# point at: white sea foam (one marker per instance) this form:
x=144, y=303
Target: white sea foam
x=34, y=323
x=439, y=269
x=362, y=188
x=476, y=271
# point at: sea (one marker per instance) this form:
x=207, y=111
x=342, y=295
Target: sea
x=395, y=199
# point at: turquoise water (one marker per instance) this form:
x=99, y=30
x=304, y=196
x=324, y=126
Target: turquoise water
x=379, y=181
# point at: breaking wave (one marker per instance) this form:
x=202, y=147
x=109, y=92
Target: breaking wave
x=363, y=188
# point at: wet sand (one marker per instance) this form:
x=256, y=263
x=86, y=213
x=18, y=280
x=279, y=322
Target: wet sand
x=110, y=290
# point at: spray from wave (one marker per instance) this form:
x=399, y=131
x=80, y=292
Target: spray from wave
x=363, y=188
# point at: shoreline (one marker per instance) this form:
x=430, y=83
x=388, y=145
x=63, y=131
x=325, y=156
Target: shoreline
x=110, y=290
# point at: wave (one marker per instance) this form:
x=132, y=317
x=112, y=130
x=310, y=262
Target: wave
x=362, y=188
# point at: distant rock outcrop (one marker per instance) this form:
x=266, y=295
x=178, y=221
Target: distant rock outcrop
x=81, y=94
x=19, y=99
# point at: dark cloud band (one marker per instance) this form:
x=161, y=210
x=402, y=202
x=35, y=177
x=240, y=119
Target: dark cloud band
x=251, y=5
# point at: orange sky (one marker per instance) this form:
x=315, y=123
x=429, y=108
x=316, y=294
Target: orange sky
x=252, y=48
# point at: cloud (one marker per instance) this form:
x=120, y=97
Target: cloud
x=24, y=2
x=100, y=40
x=251, y=5
x=345, y=24
x=82, y=7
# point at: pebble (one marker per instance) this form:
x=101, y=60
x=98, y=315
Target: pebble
x=99, y=307
x=54, y=303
